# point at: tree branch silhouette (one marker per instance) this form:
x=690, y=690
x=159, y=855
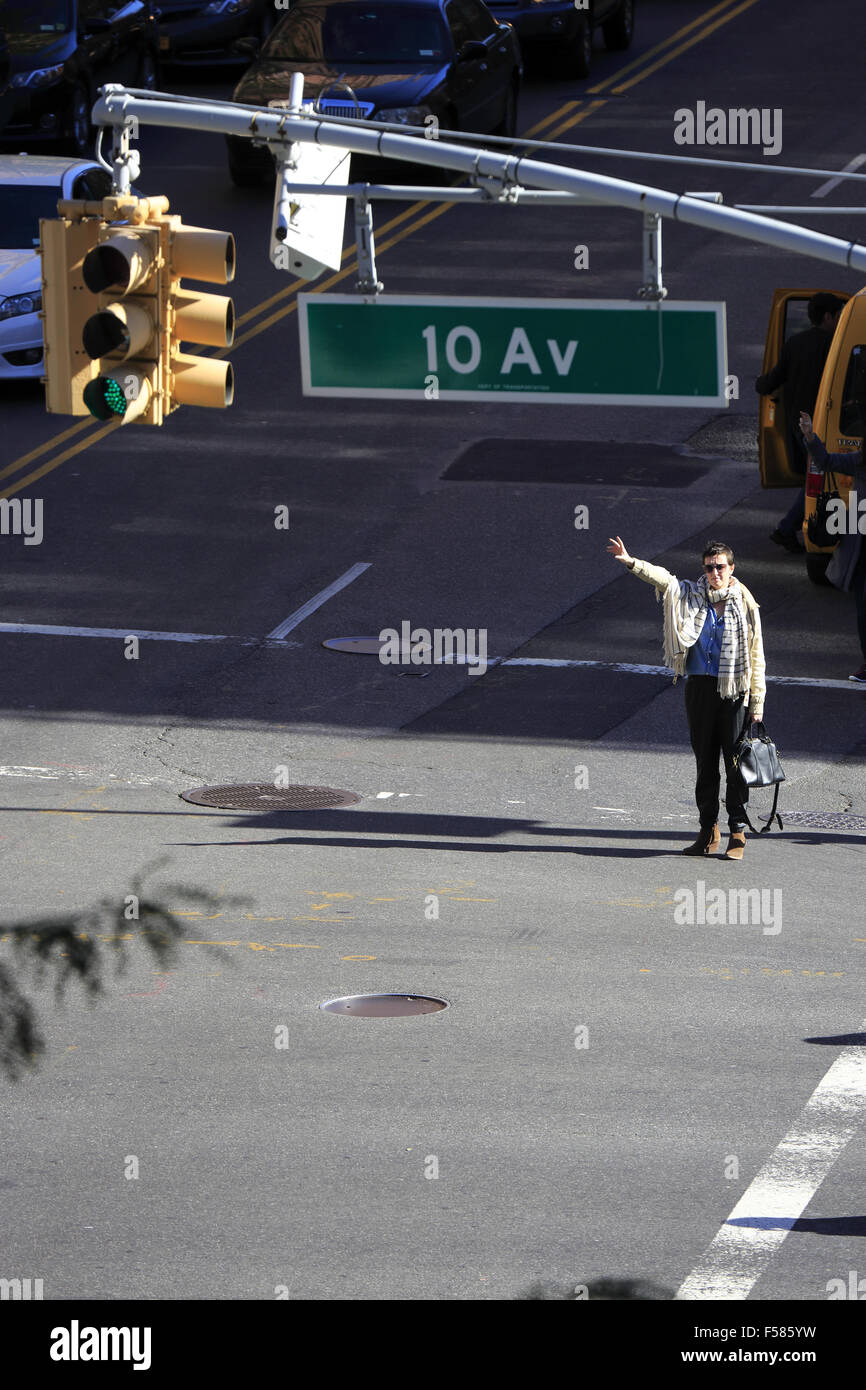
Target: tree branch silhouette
x=69, y=947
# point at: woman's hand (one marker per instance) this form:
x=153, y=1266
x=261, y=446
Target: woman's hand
x=806, y=425
x=618, y=550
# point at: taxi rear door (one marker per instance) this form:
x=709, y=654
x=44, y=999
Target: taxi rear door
x=788, y=315
x=838, y=418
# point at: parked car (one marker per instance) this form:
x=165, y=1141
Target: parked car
x=404, y=60
x=565, y=27
x=60, y=52
x=206, y=33
x=30, y=188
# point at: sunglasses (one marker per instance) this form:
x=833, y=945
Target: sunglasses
x=716, y=567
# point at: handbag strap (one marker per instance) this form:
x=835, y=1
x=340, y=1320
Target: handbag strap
x=746, y=737
x=774, y=815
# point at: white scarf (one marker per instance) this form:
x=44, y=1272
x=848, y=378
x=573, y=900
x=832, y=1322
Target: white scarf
x=686, y=608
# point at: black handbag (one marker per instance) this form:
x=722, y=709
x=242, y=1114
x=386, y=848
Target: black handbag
x=816, y=526
x=758, y=764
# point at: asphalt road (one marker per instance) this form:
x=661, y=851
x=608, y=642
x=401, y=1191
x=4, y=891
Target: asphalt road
x=538, y=810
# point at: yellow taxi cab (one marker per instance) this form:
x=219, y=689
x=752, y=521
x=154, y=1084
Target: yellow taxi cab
x=836, y=417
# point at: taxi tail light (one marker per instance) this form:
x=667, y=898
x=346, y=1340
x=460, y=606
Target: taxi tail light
x=814, y=479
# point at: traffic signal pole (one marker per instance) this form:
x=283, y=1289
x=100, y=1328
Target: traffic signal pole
x=503, y=176
x=116, y=310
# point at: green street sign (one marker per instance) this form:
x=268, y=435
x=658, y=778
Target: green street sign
x=578, y=351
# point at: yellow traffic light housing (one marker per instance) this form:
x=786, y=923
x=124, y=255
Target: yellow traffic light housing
x=116, y=313
x=125, y=269
x=66, y=306
x=197, y=317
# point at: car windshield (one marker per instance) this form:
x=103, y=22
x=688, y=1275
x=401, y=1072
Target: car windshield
x=21, y=206
x=36, y=16
x=358, y=33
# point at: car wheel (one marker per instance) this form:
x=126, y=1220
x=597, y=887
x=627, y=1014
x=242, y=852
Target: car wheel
x=577, y=54
x=508, y=124
x=619, y=31
x=81, y=134
x=243, y=172
x=816, y=567
x=146, y=75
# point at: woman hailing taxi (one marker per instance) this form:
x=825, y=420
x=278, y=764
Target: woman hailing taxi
x=712, y=636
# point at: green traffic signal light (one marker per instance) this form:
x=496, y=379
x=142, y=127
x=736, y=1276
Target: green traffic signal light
x=123, y=395
x=104, y=398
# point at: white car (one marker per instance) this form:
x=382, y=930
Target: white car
x=30, y=188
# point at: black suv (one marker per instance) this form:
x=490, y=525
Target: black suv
x=60, y=52
x=408, y=62
x=199, y=33
x=565, y=27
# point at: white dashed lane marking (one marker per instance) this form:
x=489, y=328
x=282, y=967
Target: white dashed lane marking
x=776, y=1199
x=316, y=601
x=277, y=639
x=77, y=774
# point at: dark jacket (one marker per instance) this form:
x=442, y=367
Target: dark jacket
x=799, y=370
x=854, y=465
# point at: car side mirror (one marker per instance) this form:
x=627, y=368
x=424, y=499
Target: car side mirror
x=473, y=51
x=248, y=47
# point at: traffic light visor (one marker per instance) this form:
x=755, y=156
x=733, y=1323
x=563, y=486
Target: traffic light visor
x=124, y=261
x=121, y=327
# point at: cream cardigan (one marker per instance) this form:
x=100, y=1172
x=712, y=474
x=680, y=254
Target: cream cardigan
x=660, y=578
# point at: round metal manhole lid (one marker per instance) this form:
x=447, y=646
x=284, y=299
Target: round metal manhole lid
x=264, y=796
x=373, y=646
x=384, y=1005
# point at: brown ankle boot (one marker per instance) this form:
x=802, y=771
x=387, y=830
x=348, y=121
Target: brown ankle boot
x=708, y=841
x=736, y=845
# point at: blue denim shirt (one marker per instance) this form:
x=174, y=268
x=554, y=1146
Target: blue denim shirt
x=703, y=657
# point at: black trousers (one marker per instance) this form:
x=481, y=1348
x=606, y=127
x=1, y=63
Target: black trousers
x=714, y=727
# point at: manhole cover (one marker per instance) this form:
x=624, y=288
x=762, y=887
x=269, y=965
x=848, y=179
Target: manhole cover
x=826, y=820
x=372, y=646
x=384, y=1005
x=264, y=796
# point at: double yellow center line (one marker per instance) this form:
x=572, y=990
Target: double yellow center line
x=271, y=311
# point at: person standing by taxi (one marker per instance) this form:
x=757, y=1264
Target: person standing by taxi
x=712, y=636
x=851, y=573
x=799, y=371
